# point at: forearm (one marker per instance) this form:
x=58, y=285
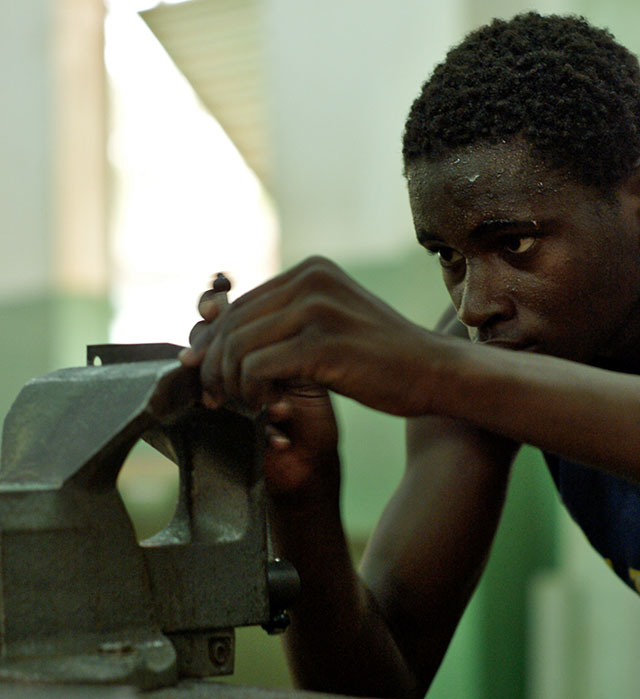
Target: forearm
x=337, y=641
x=587, y=414
x=428, y=552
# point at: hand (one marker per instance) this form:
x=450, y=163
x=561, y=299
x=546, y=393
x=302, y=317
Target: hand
x=301, y=460
x=316, y=325
x=209, y=306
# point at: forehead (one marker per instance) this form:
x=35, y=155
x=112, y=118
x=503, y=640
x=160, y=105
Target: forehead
x=477, y=182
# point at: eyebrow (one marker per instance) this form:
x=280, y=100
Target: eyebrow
x=485, y=228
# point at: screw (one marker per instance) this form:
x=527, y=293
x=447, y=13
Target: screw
x=219, y=650
x=220, y=287
x=221, y=284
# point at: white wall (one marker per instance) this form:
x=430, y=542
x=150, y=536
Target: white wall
x=25, y=146
x=52, y=164
x=341, y=78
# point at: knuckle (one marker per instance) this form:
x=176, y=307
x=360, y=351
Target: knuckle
x=251, y=383
x=321, y=263
x=249, y=371
x=232, y=347
x=197, y=331
x=318, y=261
x=208, y=375
x=322, y=276
x=225, y=324
x=317, y=309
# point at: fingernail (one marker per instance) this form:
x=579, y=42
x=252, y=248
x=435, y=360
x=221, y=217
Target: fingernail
x=278, y=410
x=191, y=356
x=279, y=441
x=209, y=309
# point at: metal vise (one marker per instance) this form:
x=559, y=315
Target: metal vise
x=80, y=599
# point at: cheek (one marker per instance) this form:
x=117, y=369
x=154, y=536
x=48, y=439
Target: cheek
x=454, y=283
x=563, y=293
x=583, y=297
x=554, y=293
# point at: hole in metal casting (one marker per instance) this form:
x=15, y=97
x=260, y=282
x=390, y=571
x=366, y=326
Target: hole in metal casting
x=148, y=484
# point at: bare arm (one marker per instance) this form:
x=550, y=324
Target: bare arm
x=337, y=641
x=315, y=323
x=386, y=633
x=430, y=548
x=581, y=412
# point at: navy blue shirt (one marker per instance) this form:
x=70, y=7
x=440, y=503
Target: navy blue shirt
x=607, y=509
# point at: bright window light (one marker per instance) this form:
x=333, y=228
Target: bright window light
x=185, y=204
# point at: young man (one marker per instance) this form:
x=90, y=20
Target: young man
x=521, y=157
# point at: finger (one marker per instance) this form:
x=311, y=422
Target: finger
x=276, y=438
x=211, y=400
x=284, y=279
x=201, y=337
x=311, y=279
x=209, y=308
x=212, y=303
x=280, y=308
x=222, y=363
x=196, y=330
x=264, y=370
x=280, y=411
x=232, y=318
x=304, y=389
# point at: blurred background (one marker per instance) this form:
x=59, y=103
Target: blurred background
x=145, y=147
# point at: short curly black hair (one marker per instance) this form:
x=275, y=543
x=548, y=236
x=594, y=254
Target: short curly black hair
x=568, y=88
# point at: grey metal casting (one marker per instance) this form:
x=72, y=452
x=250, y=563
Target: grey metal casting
x=80, y=599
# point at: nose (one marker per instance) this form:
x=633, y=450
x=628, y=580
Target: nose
x=482, y=298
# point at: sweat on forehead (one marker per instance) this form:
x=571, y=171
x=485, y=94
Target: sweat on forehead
x=491, y=183
x=499, y=166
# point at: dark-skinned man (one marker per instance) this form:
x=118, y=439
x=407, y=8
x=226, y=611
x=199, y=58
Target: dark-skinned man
x=521, y=158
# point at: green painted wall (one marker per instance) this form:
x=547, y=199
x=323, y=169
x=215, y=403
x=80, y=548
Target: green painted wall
x=46, y=332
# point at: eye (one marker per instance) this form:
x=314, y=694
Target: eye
x=448, y=257
x=517, y=244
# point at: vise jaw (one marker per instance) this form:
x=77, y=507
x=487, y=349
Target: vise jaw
x=81, y=600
